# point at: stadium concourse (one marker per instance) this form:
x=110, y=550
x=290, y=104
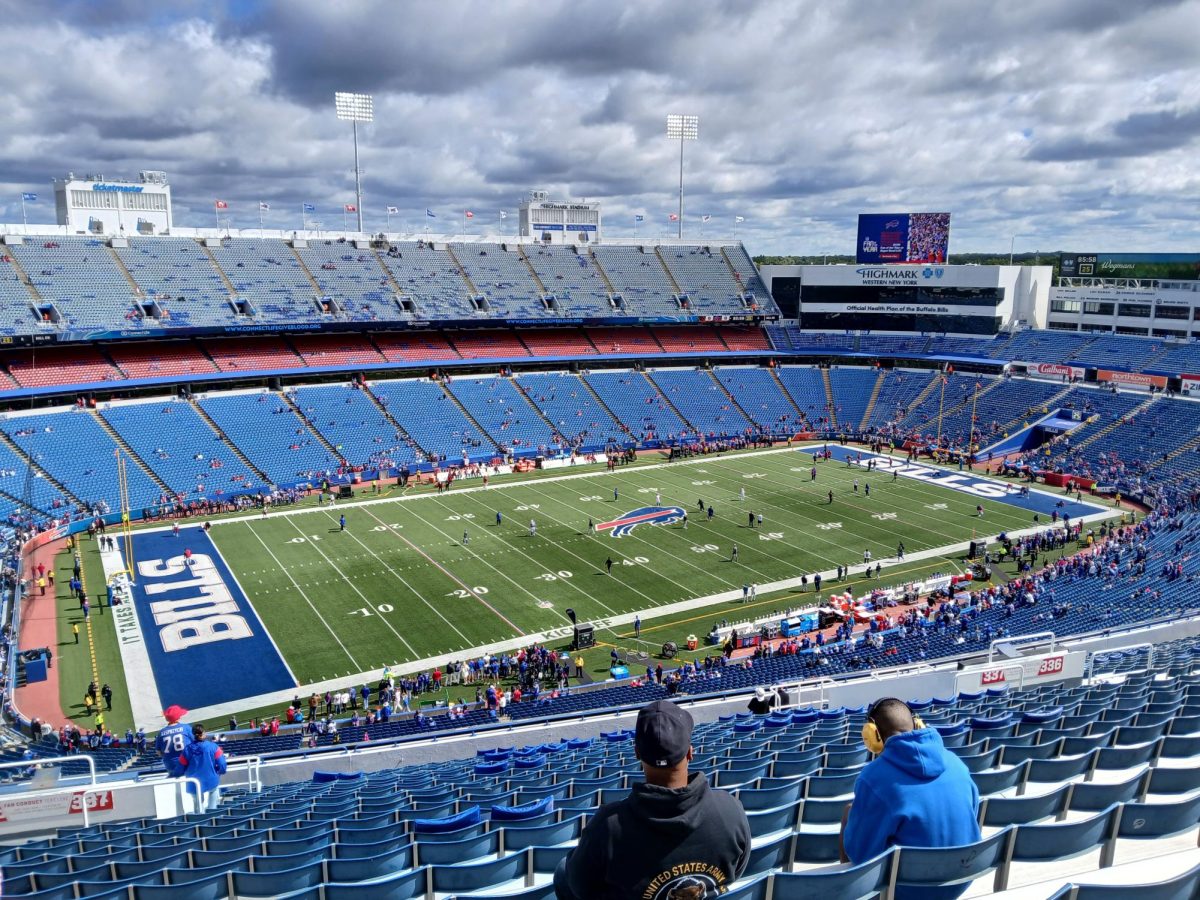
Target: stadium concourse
x=393, y=361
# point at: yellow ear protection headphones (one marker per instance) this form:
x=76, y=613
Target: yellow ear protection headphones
x=870, y=731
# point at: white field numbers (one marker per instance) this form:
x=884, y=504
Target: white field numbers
x=368, y=611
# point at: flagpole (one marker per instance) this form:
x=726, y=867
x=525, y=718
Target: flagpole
x=217, y=214
x=389, y=218
x=345, y=224
x=260, y=228
x=941, y=401
x=974, y=402
x=24, y=221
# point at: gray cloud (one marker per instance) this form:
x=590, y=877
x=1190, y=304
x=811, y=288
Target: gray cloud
x=1071, y=123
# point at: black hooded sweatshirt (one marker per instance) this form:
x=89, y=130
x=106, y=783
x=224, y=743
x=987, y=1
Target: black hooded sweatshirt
x=660, y=843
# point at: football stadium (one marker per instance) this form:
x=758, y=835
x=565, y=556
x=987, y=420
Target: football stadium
x=353, y=562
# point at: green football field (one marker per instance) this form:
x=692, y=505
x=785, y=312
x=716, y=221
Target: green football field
x=400, y=584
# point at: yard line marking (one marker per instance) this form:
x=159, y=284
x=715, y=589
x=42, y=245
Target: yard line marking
x=353, y=586
x=302, y=593
x=568, y=582
x=447, y=572
x=391, y=571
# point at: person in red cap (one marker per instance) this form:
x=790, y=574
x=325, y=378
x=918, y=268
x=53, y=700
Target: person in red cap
x=673, y=836
x=174, y=739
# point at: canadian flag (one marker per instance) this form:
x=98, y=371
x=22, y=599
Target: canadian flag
x=350, y=207
x=221, y=204
x=673, y=217
x=469, y=214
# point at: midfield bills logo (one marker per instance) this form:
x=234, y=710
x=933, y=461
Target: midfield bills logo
x=646, y=515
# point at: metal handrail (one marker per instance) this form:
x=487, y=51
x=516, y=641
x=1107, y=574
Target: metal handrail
x=53, y=761
x=1022, y=639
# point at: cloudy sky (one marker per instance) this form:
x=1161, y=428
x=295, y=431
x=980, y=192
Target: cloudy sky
x=1074, y=124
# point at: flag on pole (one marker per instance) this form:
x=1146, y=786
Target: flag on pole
x=705, y=218
x=430, y=214
x=639, y=218
x=739, y=218
x=29, y=198
x=392, y=210
x=310, y=207
x=263, y=206
x=221, y=204
x=503, y=214
x=350, y=207
x=673, y=217
x=468, y=214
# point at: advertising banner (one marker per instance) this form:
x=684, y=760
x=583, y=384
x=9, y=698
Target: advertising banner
x=1140, y=379
x=1055, y=369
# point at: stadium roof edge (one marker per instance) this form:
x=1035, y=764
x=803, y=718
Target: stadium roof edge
x=62, y=231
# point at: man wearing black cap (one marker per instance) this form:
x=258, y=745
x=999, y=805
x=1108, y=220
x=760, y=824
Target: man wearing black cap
x=673, y=836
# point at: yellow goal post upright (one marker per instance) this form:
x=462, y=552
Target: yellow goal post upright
x=125, y=526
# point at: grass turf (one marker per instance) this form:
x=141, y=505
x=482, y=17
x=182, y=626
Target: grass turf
x=399, y=584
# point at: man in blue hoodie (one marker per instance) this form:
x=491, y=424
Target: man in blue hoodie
x=915, y=793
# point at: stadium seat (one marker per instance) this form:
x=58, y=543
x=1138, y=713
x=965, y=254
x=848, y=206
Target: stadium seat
x=918, y=867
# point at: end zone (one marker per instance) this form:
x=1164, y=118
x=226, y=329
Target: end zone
x=191, y=633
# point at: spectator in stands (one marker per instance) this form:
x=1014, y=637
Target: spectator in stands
x=204, y=760
x=915, y=793
x=673, y=836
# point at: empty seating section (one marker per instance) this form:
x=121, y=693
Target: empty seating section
x=270, y=434
x=336, y=350
x=351, y=422
x=433, y=420
x=62, y=366
x=14, y=474
x=498, y=823
x=566, y=402
x=820, y=341
x=893, y=344
x=635, y=341
x=497, y=405
x=572, y=278
x=558, y=342
x=759, y=395
x=80, y=276
x=638, y=276
x=431, y=279
x=1041, y=346
x=705, y=277
x=491, y=344
x=744, y=337
x=15, y=298
x=690, y=340
x=638, y=404
x=702, y=402
x=352, y=277
x=504, y=279
x=76, y=450
x=899, y=391
x=922, y=418
x=1016, y=401
x=746, y=274
x=180, y=277
x=267, y=275
x=1177, y=358
x=852, y=389
x=170, y=437
x=417, y=346
x=161, y=359
x=1115, y=351
x=807, y=390
x=251, y=354
x=963, y=346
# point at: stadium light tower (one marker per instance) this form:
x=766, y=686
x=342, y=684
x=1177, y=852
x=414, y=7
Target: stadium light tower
x=683, y=128
x=355, y=108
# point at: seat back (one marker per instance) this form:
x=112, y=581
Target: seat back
x=867, y=879
x=923, y=867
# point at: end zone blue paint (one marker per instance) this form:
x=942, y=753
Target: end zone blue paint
x=966, y=482
x=215, y=671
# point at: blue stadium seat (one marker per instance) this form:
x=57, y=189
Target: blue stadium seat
x=868, y=879
x=919, y=867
